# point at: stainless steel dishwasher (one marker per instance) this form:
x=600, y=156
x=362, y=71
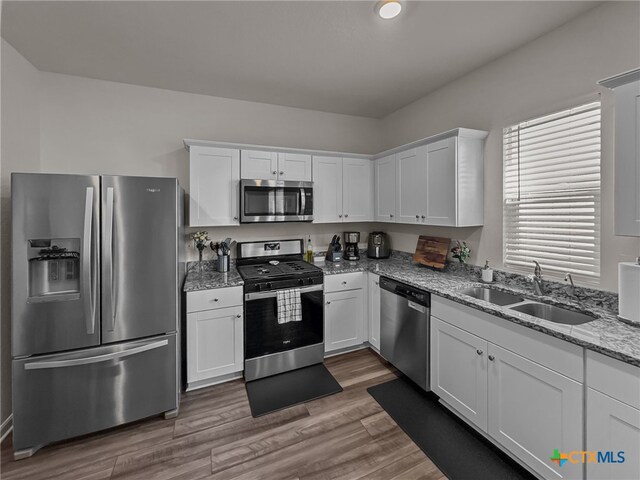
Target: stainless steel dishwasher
x=404, y=329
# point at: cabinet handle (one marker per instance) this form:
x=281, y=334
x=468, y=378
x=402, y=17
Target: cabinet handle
x=344, y=283
x=215, y=299
x=417, y=217
x=339, y=215
x=238, y=316
x=423, y=217
x=479, y=352
x=377, y=283
x=346, y=215
x=275, y=172
x=235, y=218
x=281, y=173
x=492, y=358
x=328, y=303
x=391, y=216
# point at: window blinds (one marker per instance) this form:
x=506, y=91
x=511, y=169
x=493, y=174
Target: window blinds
x=552, y=193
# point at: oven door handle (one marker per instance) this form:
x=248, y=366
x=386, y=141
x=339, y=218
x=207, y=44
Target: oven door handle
x=272, y=294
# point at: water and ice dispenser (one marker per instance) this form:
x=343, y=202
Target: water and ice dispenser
x=54, y=269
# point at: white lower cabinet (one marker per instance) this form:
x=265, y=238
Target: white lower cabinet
x=215, y=341
x=343, y=313
x=529, y=406
x=373, y=290
x=613, y=418
x=534, y=410
x=459, y=371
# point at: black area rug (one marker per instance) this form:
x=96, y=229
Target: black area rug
x=457, y=450
x=287, y=389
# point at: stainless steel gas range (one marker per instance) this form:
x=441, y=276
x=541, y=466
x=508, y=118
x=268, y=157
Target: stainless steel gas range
x=272, y=269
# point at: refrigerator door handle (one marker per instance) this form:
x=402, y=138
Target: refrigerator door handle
x=108, y=264
x=88, y=283
x=97, y=358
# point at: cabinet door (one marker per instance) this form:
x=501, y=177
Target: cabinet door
x=373, y=291
x=459, y=371
x=214, y=175
x=343, y=319
x=327, y=189
x=357, y=190
x=533, y=411
x=612, y=426
x=627, y=160
x=294, y=167
x=256, y=164
x=214, y=343
x=441, y=182
x=411, y=197
x=385, y=189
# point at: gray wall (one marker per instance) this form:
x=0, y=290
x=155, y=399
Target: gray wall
x=20, y=151
x=556, y=71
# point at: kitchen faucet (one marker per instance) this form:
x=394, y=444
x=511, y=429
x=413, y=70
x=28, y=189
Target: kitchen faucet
x=536, y=278
x=571, y=289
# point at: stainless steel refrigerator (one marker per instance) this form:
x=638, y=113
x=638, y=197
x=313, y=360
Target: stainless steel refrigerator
x=96, y=270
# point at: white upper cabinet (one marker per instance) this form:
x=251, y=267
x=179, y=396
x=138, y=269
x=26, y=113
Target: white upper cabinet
x=357, y=193
x=256, y=164
x=627, y=152
x=342, y=190
x=385, y=189
x=214, y=175
x=294, y=167
x=263, y=165
x=327, y=189
x=411, y=198
x=441, y=176
x=440, y=183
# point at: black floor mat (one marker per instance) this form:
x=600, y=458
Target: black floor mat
x=284, y=390
x=458, y=451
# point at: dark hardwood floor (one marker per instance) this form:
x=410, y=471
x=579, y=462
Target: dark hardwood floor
x=346, y=435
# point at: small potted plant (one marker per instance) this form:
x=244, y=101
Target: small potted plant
x=200, y=240
x=461, y=251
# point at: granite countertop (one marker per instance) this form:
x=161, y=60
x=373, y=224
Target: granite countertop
x=208, y=278
x=606, y=334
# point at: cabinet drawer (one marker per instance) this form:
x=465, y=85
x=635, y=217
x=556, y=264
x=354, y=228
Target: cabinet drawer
x=343, y=281
x=614, y=378
x=214, y=298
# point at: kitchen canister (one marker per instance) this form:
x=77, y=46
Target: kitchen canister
x=629, y=292
x=222, y=263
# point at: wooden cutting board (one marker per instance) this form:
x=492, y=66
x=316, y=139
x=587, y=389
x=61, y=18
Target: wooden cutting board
x=432, y=251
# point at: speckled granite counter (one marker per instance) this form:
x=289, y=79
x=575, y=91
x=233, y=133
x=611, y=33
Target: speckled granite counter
x=209, y=278
x=605, y=334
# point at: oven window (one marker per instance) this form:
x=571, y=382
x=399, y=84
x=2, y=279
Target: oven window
x=264, y=335
x=259, y=201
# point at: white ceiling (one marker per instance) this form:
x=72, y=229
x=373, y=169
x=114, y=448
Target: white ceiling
x=329, y=56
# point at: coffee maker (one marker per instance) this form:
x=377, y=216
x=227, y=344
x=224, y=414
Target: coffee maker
x=351, y=251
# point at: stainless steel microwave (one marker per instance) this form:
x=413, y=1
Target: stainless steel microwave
x=275, y=201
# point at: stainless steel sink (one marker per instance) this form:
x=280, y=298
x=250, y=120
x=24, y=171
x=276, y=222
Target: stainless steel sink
x=490, y=295
x=553, y=313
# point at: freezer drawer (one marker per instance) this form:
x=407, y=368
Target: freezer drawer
x=65, y=395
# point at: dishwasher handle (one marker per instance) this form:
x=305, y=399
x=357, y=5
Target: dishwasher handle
x=403, y=290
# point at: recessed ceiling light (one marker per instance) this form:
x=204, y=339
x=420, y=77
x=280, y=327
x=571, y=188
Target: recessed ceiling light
x=388, y=9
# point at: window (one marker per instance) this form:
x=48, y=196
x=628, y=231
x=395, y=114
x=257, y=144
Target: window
x=552, y=194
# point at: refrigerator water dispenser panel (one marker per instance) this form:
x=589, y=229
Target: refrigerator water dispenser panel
x=54, y=269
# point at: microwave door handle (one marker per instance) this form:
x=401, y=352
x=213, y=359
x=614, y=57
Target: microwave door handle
x=303, y=201
x=88, y=283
